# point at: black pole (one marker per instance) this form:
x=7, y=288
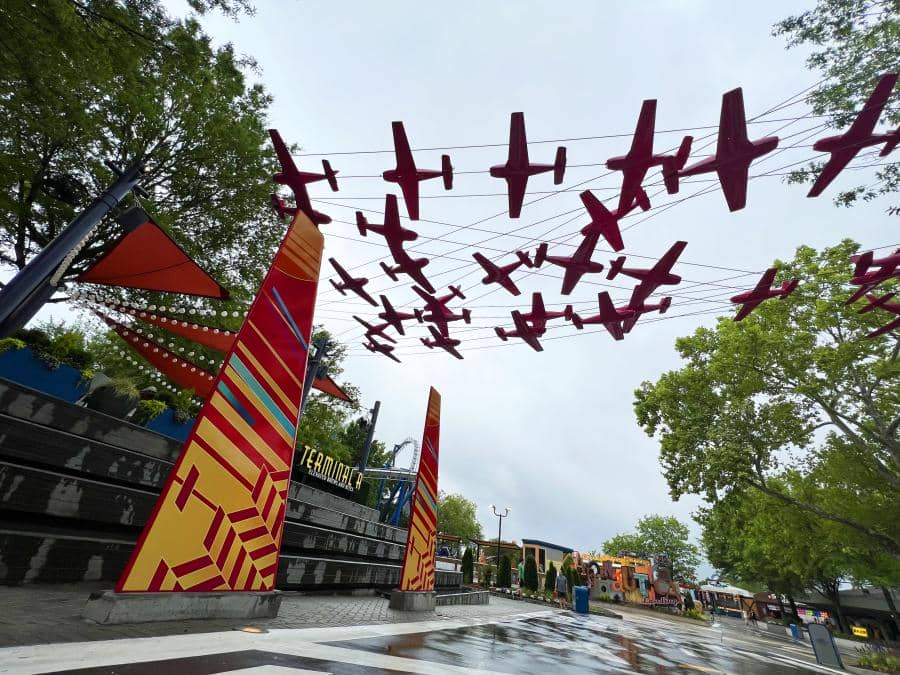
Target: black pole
x=313, y=369
x=34, y=277
x=364, y=460
x=499, y=530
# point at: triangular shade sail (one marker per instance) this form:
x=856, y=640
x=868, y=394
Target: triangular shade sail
x=146, y=257
x=184, y=373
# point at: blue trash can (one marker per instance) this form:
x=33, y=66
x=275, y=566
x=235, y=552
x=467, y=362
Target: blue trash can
x=581, y=599
x=795, y=632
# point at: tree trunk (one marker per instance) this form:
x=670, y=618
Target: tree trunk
x=793, y=606
x=832, y=591
x=889, y=599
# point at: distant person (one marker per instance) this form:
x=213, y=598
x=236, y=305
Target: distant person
x=753, y=620
x=444, y=552
x=520, y=569
x=562, y=587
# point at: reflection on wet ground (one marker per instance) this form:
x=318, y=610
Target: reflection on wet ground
x=574, y=643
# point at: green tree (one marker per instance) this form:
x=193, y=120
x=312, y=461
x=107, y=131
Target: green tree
x=550, y=578
x=531, y=573
x=468, y=566
x=91, y=80
x=456, y=516
x=660, y=534
x=504, y=573
x=796, y=385
x=853, y=43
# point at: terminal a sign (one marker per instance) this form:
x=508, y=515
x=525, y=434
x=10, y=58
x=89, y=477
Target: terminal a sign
x=318, y=464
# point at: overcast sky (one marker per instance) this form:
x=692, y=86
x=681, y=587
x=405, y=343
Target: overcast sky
x=551, y=434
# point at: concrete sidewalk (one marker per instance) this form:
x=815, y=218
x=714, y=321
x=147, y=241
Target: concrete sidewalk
x=36, y=614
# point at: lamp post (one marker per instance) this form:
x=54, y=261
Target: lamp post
x=501, y=516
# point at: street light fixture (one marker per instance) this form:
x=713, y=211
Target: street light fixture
x=501, y=516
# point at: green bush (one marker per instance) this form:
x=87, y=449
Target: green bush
x=56, y=345
x=550, y=578
x=468, y=566
x=6, y=344
x=694, y=613
x=880, y=660
x=531, y=575
x=485, y=575
x=148, y=410
x=504, y=573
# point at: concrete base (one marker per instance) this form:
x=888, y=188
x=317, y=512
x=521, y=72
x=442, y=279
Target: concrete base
x=109, y=607
x=412, y=601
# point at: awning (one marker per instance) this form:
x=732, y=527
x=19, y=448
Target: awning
x=146, y=257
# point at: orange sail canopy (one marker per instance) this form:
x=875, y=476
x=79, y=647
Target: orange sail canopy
x=146, y=257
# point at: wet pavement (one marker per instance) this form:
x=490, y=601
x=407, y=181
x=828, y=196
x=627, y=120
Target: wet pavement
x=512, y=639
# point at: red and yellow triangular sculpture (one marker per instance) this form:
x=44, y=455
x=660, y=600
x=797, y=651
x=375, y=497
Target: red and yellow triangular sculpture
x=217, y=524
x=417, y=573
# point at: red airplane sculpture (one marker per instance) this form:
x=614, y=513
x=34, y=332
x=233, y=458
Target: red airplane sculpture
x=500, y=275
x=522, y=330
x=603, y=221
x=378, y=348
x=844, y=148
x=867, y=278
x=297, y=180
x=517, y=169
x=640, y=159
x=393, y=317
x=436, y=311
x=349, y=283
x=538, y=316
x=576, y=265
x=639, y=307
x=651, y=278
x=734, y=151
x=376, y=330
x=395, y=234
x=610, y=316
x=408, y=177
x=443, y=341
x=882, y=302
x=750, y=300
x=532, y=325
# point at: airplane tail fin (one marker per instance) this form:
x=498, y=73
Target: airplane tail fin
x=340, y=289
x=615, y=266
x=664, y=304
x=569, y=313
x=891, y=144
x=525, y=258
x=419, y=315
x=388, y=270
x=330, y=175
x=559, y=165
x=684, y=152
x=576, y=321
x=427, y=343
x=540, y=255
x=607, y=309
x=447, y=172
x=467, y=315
x=789, y=287
x=500, y=333
x=875, y=302
x=455, y=290
x=863, y=263
x=362, y=224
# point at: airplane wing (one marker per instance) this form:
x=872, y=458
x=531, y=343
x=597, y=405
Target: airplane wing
x=765, y=282
x=570, y=280
x=401, y=148
x=342, y=273
x=628, y=324
x=732, y=122
x=893, y=325
x=360, y=291
x=867, y=118
x=668, y=260
x=832, y=168
x=410, y=190
x=515, y=189
x=642, y=142
x=733, y=180
x=282, y=152
x=451, y=349
x=615, y=329
x=487, y=265
x=599, y=212
x=746, y=308
x=526, y=332
x=431, y=303
x=518, y=143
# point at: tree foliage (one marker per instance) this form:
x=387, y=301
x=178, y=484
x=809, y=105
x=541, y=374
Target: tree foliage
x=659, y=534
x=549, y=577
x=83, y=81
x=468, y=566
x=796, y=387
x=504, y=573
x=456, y=516
x=854, y=43
x=531, y=574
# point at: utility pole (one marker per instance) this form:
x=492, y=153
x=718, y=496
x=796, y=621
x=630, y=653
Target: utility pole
x=315, y=368
x=27, y=292
x=364, y=460
x=501, y=516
